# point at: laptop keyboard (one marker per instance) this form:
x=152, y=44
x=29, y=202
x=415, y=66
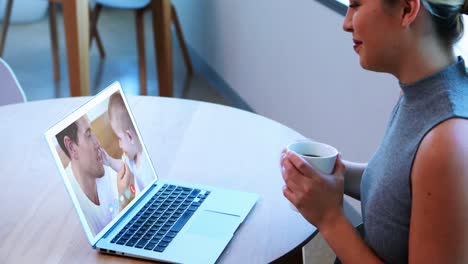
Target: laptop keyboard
x=162, y=217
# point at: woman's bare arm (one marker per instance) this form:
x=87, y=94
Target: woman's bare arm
x=439, y=213
x=353, y=176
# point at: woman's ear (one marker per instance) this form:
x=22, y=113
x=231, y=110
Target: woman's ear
x=410, y=11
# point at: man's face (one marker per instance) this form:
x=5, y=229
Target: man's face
x=89, y=158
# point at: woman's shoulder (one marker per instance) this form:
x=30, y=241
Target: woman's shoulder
x=448, y=131
x=443, y=150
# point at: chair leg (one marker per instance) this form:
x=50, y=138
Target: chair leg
x=54, y=40
x=6, y=24
x=181, y=39
x=140, y=30
x=94, y=16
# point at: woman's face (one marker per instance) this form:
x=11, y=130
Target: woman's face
x=376, y=31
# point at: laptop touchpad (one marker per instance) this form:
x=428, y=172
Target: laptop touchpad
x=214, y=224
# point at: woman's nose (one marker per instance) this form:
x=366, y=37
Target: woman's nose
x=348, y=23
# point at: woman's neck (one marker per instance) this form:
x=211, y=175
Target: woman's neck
x=424, y=61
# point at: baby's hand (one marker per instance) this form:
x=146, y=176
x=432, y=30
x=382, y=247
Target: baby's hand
x=107, y=160
x=105, y=157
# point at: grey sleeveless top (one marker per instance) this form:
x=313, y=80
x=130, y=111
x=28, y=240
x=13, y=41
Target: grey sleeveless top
x=386, y=183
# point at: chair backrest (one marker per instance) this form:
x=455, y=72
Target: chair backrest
x=124, y=4
x=10, y=90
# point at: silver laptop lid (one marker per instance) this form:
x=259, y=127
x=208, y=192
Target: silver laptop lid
x=102, y=159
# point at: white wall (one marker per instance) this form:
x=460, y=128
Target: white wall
x=292, y=62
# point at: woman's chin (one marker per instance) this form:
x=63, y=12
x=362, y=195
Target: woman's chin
x=365, y=64
x=366, y=67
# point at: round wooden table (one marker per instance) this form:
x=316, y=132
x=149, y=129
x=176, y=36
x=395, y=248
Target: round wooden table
x=187, y=140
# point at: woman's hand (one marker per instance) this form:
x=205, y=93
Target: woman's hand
x=318, y=197
x=285, y=150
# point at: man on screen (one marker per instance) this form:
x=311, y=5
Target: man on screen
x=95, y=185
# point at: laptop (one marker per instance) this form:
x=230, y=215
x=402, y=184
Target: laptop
x=124, y=207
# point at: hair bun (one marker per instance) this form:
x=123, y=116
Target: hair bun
x=464, y=9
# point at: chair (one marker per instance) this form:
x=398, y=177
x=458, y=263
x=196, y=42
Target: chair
x=140, y=7
x=54, y=39
x=6, y=23
x=11, y=90
x=53, y=34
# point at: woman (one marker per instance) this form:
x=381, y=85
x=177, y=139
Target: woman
x=414, y=190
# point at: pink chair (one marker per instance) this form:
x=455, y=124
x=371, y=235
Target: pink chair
x=11, y=91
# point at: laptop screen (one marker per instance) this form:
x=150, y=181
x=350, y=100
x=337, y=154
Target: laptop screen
x=103, y=161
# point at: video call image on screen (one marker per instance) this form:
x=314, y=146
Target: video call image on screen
x=104, y=161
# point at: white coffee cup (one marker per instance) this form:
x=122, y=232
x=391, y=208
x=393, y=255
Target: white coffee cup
x=319, y=155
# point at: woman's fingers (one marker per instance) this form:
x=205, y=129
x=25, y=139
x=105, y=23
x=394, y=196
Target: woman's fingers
x=340, y=168
x=285, y=150
x=282, y=156
x=301, y=165
x=289, y=195
x=291, y=175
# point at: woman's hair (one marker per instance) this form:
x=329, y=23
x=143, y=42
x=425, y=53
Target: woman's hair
x=447, y=18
